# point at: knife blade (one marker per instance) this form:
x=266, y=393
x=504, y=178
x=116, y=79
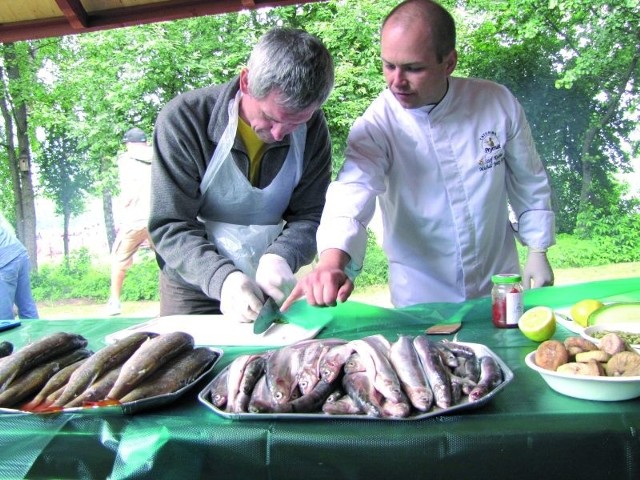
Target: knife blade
x=269, y=314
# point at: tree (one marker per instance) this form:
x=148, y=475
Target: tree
x=574, y=65
x=64, y=177
x=16, y=72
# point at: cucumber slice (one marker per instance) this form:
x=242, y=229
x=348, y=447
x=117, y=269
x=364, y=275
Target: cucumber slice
x=616, y=313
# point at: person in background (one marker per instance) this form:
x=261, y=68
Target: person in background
x=445, y=157
x=240, y=174
x=132, y=210
x=15, y=281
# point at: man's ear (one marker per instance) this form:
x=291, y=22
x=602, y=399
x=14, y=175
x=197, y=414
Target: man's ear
x=244, y=81
x=451, y=61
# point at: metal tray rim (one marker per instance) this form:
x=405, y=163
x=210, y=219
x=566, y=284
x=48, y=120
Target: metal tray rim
x=129, y=407
x=436, y=411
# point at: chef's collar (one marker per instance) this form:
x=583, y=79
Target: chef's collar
x=429, y=107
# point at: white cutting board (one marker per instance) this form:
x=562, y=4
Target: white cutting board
x=217, y=330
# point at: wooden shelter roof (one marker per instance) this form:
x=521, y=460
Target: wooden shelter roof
x=32, y=19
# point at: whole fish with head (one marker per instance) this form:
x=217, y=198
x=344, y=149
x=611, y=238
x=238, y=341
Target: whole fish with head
x=235, y=376
x=252, y=372
x=218, y=389
x=148, y=358
x=385, y=378
x=282, y=373
x=309, y=374
x=490, y=378
x=36, y=353
x=354, y=364
x=449, y=358
x=344, y=405
x=434, y=370
x=358, y=386
x=33, y=380
x=179, y=372
x=101, y=361
x=311, y=402
x=261, y=399
x=395, y=409
x=332, y=362
x=405, y=361
x=458, y=349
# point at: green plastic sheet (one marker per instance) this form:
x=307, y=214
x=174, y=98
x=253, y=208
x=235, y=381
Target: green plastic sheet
x=526, y=431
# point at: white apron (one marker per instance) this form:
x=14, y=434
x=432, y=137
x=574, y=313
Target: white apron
x=242, y=220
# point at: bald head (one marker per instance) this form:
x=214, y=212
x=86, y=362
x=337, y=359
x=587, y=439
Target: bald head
x=432, y=18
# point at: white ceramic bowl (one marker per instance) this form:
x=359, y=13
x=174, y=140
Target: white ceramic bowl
x=607, y=389
x=611, y=327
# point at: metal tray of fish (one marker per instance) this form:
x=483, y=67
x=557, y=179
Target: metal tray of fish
x=105, y=408
x=205, y=397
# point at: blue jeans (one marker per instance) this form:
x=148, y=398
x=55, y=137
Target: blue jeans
x=15, y=289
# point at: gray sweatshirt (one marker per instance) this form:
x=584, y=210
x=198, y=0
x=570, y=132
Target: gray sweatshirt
x=186, y=134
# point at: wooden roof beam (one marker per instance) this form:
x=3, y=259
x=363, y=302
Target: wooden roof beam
x=74, y=12
x=75, y=21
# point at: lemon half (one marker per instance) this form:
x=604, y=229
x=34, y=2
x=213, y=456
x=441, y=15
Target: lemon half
x=538, y=324
x=580, y=311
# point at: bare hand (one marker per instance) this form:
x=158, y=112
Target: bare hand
x=322, y=287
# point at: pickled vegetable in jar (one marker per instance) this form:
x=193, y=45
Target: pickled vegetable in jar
x=506, y=300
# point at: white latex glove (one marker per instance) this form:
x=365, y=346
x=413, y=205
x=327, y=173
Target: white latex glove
x=240, y=297
x=274, y=277
x=537, y=271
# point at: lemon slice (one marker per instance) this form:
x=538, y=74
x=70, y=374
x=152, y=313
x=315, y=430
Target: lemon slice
x=538, y=324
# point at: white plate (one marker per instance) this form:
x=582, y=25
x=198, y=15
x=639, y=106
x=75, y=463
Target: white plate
x=613, y=327
x=607, y=389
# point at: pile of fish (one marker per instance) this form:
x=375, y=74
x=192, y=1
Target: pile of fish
x=58, y=371
x=368, y=376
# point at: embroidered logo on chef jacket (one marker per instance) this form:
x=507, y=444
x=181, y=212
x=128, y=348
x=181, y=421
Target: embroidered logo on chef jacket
x=492, y=152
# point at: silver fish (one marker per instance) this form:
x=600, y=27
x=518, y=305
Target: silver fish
x=234, y=378
x=490, y=378
x=395, y=409
x=282, y=373
x=261, y=400
x=344, y=405
x=333, y=361
x=218, y=391
x=359, y=387
x=434, y=370
x=386, y=380
x=252, y=372
x=148, y=358
x=405, y=360
x=354, y=364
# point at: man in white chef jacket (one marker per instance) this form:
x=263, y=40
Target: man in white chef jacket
x=445, y=157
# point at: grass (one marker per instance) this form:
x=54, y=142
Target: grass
x=374, y=295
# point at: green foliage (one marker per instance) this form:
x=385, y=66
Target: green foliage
x=375, y=270
x=79, y=278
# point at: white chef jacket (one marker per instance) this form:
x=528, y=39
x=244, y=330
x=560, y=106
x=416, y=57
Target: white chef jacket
x=444, y=179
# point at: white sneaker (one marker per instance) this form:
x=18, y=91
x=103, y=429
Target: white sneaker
x=113, y=308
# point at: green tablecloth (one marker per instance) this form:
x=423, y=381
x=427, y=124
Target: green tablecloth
x=526, y=431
